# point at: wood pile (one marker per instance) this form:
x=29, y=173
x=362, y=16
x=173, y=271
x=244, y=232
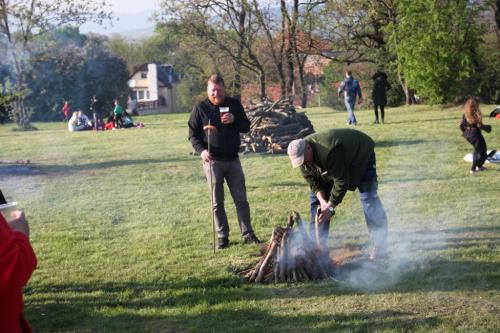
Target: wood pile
x=293, y=254
x=273, y=126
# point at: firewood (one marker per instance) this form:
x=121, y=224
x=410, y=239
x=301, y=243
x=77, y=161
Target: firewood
x=272, y=250
x=316, y=228
x=277, y=264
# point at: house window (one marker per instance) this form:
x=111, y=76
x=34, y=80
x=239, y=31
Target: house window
x=134, y=95
x=141, y=95
x=144, y=75
x=147, y=94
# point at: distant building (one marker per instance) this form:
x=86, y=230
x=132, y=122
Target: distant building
x=153, y=87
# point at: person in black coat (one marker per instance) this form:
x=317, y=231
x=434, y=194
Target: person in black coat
x=471, y=127
x=379, y=94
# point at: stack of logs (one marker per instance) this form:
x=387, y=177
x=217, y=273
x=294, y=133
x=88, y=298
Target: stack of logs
x=293, y=255
x=273, y=126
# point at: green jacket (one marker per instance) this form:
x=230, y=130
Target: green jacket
x=118, y=110
x=340, y=160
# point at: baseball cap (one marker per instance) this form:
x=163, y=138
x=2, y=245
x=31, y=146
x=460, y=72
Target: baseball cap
x=295, y=151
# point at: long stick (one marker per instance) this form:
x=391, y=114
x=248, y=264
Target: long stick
x=211, y=186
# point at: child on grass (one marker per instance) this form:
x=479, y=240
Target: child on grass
x=471, y=126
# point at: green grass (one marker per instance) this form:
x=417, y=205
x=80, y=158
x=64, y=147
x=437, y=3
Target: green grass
x=120, y=222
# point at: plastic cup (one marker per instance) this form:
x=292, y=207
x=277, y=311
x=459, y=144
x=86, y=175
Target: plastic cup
x=223, y=110
x=7, y=208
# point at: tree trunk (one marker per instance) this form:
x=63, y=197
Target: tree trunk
x=262, y=81
x=239, y=55
x=404, y=85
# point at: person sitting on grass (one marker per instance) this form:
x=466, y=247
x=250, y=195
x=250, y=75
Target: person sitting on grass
x=79, y=122
x=471, y=126
x=127, y=121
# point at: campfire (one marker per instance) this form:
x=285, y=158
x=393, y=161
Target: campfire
x=296, y=253
x=273, y=126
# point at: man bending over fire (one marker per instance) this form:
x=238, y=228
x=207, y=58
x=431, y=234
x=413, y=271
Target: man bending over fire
x=333, y=162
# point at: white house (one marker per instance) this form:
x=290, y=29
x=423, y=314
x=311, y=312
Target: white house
x=153, y=87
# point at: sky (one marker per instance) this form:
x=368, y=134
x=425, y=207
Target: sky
x=132, y=14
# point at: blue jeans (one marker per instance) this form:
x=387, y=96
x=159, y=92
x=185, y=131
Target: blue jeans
x=349, y=104
x=375, y=217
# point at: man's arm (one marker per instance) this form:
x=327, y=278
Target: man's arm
x=339, y=172
x=17, y=258
x=196, y=134
x=241, y=120
x=341, y=88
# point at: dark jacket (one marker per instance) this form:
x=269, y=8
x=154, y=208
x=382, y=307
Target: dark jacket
x=380, y=87
x=351, y=89
x=472, y=131
x=225, y=142
x=96, y=106
x=340, y=159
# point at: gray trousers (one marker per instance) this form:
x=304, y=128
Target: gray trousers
x=232, y=172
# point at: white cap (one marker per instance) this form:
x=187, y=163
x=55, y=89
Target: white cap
x=295, y=151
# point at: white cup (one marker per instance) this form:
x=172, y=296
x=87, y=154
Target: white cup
x=223, y=110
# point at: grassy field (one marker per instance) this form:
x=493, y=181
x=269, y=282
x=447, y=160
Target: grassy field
x=120, y=222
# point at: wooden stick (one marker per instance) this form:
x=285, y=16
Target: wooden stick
x=272, y=250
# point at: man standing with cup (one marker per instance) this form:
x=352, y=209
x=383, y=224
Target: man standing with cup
x=225, y=119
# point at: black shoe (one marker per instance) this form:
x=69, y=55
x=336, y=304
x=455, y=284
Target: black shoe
x=222, y=243
x=251, y=239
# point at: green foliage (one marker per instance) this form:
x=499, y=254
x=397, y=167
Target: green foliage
x=69, y=66
x=5, y=108
x=434, y=42
x=486, y=82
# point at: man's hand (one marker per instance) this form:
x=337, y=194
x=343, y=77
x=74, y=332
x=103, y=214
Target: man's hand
x=360, y=101
x=325, y=215
x=228, y=118
x=18, y=223
x=206, y=156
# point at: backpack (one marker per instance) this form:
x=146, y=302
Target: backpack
x=351, y=87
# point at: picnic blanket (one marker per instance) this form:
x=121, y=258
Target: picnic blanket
x=493, y=159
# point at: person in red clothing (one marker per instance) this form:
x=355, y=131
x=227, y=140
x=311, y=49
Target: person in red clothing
x=66, y=110
x=17, y=263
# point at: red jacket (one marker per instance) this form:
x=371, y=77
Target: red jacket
x=17, y=262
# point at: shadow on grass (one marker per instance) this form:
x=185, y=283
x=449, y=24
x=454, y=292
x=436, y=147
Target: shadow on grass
x=452, y=117
x=18, y=170
x=196, y=306
x=386, y=143
x=63, y=169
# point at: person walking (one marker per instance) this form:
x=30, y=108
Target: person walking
x=471, y=126
x=351, y=89
x=333, y=162
x=220, y=160
x=379, y=94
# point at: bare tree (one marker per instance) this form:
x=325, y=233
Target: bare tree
x=22, y=20
x=226, y=24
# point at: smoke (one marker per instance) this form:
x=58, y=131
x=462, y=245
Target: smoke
x=415, y=235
